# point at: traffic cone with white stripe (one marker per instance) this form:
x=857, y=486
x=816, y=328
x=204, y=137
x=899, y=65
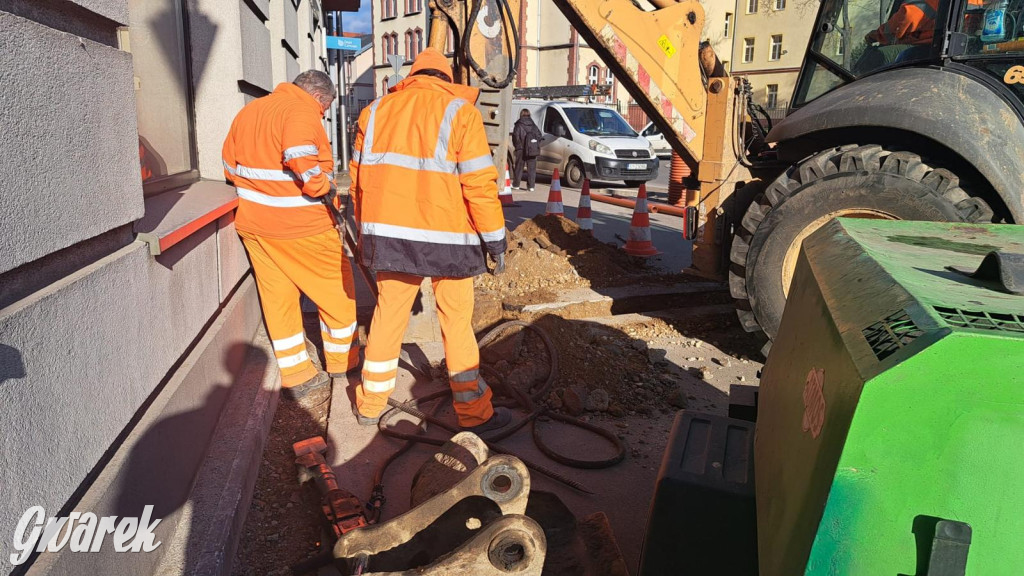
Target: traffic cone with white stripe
x=639, y=243
x=506, y=195
x=555, y=197
x=583, y=217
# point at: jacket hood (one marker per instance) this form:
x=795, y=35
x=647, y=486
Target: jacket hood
x=293, y=91
x=467, y=93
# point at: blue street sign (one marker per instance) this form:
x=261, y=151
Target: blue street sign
x=344, y=43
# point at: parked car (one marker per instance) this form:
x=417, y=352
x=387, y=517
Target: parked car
x=589, y=141
x=657, y=140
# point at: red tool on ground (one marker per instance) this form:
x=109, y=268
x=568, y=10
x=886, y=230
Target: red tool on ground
x=555, y=197
x=639, y=243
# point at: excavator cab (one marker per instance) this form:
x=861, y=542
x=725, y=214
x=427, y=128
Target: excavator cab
x=852, y=40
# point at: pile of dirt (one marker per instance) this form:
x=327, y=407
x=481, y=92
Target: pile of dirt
x=548, y=254
x=600, y=368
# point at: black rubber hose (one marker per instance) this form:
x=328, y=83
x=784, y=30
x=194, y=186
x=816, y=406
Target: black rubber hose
x=505, y=15
x=531, y=402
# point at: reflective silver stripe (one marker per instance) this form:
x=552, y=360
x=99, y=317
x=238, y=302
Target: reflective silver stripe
x=228, y=167
x=481, y=387
x=467, y=376
x=444, y=135
x=378, y=387
x=420, y=235
x=332, y=347
x=299, y=151
x=478, y=163
x=339, y=333
x=330, y=177
x=641, y=206
x=310, y=173
x=289, y=342
x=493, y=236
x=410, y=162
x=585, y=223
x=640, y=233
x=357, y=156
x=554, y=208
x=276, y=201
x=265, y=174
x=293, y=360
x=439, y=163
x=380, y=367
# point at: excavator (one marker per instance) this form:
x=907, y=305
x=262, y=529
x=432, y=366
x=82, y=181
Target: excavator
x=925, y=127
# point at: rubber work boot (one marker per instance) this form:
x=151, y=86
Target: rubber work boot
x=364, y=420
x=313, y=395
x=501, y=418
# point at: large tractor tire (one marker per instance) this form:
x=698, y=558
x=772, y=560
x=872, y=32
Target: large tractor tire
x=850, y=181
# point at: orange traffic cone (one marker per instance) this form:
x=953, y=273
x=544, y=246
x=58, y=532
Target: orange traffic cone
x=506, y=195
x=639, y=243
x=555, y=197
x=583, y=217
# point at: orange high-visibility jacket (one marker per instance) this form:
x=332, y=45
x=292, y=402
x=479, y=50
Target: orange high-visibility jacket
x=279, y=159
x=423, y=182
x=913, y=23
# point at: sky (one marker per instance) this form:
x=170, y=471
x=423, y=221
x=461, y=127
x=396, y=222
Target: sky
x=359, y=22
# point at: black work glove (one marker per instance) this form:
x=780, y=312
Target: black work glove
x=499, y=265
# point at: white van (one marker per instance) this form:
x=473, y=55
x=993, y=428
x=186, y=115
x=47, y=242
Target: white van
x=588, y=141
x=653, y=134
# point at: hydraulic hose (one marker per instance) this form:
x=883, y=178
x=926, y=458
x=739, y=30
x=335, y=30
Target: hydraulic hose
x=532, y=401
x=505, y=16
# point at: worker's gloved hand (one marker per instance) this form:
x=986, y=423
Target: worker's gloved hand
x=499, y=265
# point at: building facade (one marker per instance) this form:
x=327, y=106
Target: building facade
x=130, y=362
x=400, y=27
x=768, y=46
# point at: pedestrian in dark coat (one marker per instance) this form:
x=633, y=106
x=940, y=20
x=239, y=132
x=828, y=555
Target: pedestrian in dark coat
x=526, y=138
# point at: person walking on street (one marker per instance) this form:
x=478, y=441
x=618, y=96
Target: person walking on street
x=526, y=137
x=425, y=193
x=279, y=158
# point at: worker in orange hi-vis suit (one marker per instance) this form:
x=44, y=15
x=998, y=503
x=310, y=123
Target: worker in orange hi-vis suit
x=914, y=23
x=425, y=193
x=279, y=159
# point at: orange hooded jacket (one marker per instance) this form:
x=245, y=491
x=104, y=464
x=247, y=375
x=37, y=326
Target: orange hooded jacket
x=424, y=185
x=279, y=159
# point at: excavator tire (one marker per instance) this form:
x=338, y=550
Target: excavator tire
x=854, y=181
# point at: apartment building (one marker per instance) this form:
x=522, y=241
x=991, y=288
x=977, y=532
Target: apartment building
x=130, y=368
x=769, y=42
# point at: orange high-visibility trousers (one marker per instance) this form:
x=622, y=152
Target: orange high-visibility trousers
x=316, y=267
x=396, y=293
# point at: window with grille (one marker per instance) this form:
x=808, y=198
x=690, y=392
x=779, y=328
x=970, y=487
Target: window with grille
x=772, y=90
x=748, y=49
x=776, y=52
x=728, y=24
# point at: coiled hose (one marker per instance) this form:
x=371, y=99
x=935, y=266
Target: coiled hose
x=531, y=401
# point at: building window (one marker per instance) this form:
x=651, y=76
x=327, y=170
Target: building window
x=592, y=76
x=772, y=90
x=410, y=50
x=609, y=78
x=163, y=93
x=752, y=6
x=388, y=9
x=776, y=52
x=728, y=24
x=419, y=41
x=748, y=50
x=780, y=4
